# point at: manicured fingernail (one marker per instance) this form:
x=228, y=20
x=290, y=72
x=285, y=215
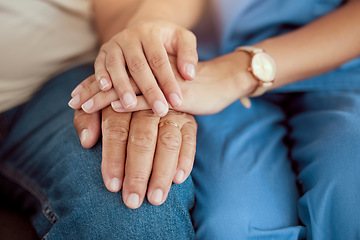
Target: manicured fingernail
x=128, y=100
x=74, y=101
x=77, y=90
x=85, y=134
x=157, y=196
x=104, y=83
x=116, y=105
x=190, y=70
x=87, y=106
x=175, y=100
x=179, y=176
x=160, y=108
x=114, y=184
x=133, y=200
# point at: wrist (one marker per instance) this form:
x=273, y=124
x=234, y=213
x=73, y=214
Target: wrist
x=230, y=71
x=244, y=83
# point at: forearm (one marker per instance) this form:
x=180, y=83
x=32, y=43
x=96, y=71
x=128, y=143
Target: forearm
x=317, y=48
x=112, y=16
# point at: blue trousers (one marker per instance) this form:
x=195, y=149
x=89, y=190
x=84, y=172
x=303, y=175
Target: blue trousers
x=286, y=169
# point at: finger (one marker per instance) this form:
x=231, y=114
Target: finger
x=187, y=151
x=140, y=153
x=165, y=161
x=80, y=87
x=88, y=89
x=187, y=57
x=142, y=105
x=102, y=76
x=160, y=65
x=115, y=130
x=100, y=101
x=115, y=64
x=144, y=78
x=87, y=127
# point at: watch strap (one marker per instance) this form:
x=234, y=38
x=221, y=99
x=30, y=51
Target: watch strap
x=263, y=86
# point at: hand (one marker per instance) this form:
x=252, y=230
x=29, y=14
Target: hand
x=138, y=145
x=218, y=83
x=141, y=52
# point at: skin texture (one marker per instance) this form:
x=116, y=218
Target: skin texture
x=137, y=144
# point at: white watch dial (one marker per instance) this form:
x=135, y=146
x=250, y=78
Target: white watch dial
x=263, y=67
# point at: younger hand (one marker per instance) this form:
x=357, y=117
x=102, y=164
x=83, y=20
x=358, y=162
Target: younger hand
x=141, y=52
x=218, y=83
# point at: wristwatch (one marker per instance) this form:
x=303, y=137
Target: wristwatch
x=263, y=68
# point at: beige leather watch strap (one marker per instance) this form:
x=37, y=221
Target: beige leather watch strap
x=263, y=86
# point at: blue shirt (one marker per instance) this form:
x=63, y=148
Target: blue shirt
x=232, y=23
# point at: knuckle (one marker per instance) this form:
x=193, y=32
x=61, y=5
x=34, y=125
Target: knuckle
x=189, y=139
x=115, y=165
x=170, y=141
x=138, y=177
x=87, y=92
x=137, y=65
x=143, y=142
x=168, y=84
x=164, y=178
x=112, y=61
x=150, y=91
x=113, y=131
x=191, y=36
x=99, y=61
x=79, y=116
x=158, y=61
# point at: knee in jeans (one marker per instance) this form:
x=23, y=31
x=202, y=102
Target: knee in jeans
x=103, y=215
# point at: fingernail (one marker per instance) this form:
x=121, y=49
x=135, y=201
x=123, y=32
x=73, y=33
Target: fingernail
x=87, y=106
x=157, y=196
x=104, y=83
x=114, y=184
x=160, y=108
x=74, y=101
x=116, y=105
x=128, y=100
x=133, y=200
x=77, y=90
x=190, y=70
x=175, y=100
x=85, y=134
x=179, y=176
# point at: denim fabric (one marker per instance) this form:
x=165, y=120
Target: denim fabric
x=288, y=168
x=44, y=167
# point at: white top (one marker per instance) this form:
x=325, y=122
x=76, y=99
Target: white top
x=38, y=40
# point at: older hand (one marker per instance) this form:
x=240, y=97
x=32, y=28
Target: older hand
x=139, y=145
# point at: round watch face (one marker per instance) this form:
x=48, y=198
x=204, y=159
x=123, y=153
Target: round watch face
x=263, y=67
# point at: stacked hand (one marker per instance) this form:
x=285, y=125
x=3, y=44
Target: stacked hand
x=137, y=146
x=140, y=52
x=218, y=83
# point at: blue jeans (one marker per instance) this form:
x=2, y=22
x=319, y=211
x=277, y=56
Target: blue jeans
x=59, y=183
x=288, y=168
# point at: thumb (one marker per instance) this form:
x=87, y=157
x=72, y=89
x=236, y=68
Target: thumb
x=88, y=127
x=187, y=57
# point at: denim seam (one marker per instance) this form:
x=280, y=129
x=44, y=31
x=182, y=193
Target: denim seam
x=32, y=188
